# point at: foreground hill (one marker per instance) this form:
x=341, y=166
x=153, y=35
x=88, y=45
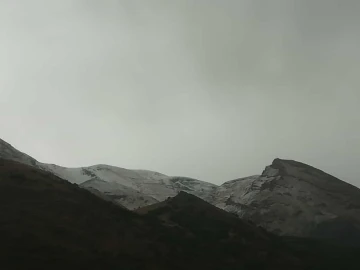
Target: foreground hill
x=48, y=223
x=219, y=230
x=202, y=219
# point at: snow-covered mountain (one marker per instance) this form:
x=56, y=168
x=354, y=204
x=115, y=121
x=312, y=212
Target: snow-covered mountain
x=288, y=198
x=292, y=198
x=130, y=188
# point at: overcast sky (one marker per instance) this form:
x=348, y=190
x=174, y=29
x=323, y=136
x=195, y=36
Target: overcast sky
x=211, y=89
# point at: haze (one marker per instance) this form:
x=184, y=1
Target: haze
x=212, y=89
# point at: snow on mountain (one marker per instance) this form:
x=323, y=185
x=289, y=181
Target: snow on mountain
x=122, y=195
x=290, y=198
x=235, y=196
x=131, y=188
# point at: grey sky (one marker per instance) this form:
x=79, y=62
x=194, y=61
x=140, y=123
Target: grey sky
x=211, y=89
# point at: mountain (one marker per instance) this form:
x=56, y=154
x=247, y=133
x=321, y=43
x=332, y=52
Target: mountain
x=292, y=198
x=289, y=198
x=49, y=223
x=129, y=188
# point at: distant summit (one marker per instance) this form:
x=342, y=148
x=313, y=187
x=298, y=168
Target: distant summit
x=293, y=198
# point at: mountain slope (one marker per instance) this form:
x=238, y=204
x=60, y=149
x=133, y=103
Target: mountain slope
x=220, y=230
x=291, y=198
x=216, y=227
x=288, y=198
x=7, y=151
x=130, y=188
x=48, y=223
x=118, y=193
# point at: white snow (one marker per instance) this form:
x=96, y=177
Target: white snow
x=148, y=185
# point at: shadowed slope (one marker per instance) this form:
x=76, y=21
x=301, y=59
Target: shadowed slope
x=219, y=230
x=48, y=223
x=45, y=219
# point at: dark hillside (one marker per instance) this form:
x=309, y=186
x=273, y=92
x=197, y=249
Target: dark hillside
x=46, y=222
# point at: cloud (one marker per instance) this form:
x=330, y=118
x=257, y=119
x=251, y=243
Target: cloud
x=209, y=89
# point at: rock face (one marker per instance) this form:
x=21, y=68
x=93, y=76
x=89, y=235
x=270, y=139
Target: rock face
x=292, y=198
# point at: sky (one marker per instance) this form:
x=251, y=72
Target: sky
x=210, y=89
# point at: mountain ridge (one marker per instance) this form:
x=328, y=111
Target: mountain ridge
x=49, y=223
x=292, y=198
x=288, y=198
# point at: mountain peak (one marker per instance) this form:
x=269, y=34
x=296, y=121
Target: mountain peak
x=201, y=213
x=301, y=170
x=182, y=200
x=280, y=163
x=182, y=195
x=291, y=198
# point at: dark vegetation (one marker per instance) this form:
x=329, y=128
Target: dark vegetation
x=48, y=223
x=263, y=248
x=321, y=254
